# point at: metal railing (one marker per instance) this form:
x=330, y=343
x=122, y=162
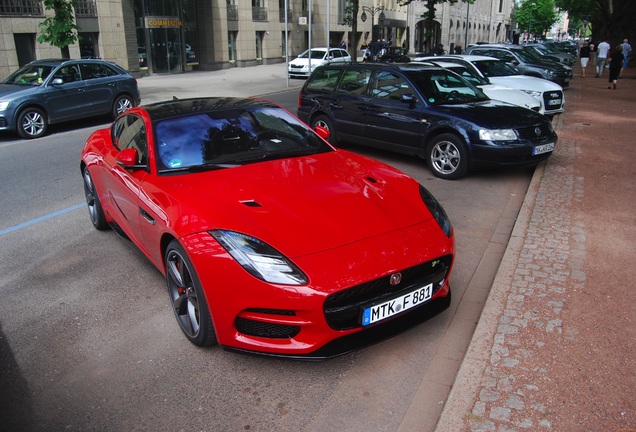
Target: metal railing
x=86, y=9
x=259, y=13
x=232, y=13
x=281, y=16
x=21, y=8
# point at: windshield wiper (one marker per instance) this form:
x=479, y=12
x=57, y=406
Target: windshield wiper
x=199, y=168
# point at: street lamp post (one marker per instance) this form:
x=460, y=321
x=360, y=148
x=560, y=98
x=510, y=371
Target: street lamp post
x=372, y=10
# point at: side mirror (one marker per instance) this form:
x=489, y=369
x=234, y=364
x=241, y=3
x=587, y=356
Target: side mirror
x=57, y=81
x=128, y=158
x=322, y=132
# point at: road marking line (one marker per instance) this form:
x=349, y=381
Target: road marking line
x=40, y=219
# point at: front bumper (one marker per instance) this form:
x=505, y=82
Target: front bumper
x=250, y=315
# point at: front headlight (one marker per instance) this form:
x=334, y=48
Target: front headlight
x=3, y=105
x=533, y=93
x=437, y=211
x=260, y=259
x=497, y=134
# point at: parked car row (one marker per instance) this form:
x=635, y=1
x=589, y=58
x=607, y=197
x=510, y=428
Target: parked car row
x=214, y=191
x=425, y=111
x=547, y=93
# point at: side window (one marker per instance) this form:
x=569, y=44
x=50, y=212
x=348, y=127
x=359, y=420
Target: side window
x=68, y=74
x=129, y=131
x=335, y=54
x=354, y=81
x=323, y=79
x=388, y=85
x=91, y=71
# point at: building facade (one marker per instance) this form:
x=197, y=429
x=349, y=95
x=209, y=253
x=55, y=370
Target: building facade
x=177, y=36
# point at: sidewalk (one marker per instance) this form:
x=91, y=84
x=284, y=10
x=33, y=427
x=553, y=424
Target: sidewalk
x=245, y=81
x=555, y=347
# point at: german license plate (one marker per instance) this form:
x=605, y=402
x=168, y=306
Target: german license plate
x=543, y=148
x=397, y=305
x=554, y=102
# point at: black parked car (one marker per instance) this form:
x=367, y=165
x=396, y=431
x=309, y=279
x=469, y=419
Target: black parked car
x=527, y=61
x=44, y=92
x=425, y=111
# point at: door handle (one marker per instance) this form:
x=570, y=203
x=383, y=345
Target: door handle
x=146, y=216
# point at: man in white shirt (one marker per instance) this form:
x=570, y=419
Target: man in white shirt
x=601, y=57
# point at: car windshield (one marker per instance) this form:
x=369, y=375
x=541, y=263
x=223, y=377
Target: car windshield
x=468, y=74
x=494, y=68
x=29, y=75
x=315, y=54
x=529, y=55
x=442, y=87
x=222, y=139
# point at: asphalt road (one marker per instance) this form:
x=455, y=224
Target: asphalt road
x=88, y=341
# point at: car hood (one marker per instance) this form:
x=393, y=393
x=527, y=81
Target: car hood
x=305, y=62
x=12, y=89
x=525, y=82
x=292, y=203
x=510, y=95
x=492, y=114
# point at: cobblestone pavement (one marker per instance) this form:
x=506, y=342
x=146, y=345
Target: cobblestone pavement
x=554, y=348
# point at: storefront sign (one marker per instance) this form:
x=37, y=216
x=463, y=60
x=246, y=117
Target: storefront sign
x=158, y=22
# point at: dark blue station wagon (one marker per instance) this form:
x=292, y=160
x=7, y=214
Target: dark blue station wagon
x=424, y=111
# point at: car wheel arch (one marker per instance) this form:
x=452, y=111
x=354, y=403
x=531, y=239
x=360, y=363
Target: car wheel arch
x=166, y=238
x=445, y=130
x=31, y=105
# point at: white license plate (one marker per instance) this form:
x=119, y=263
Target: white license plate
x=543, y=148
x=397, y=305
x=554, y=102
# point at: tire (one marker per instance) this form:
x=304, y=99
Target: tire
x=32, y=123
x=95, y=211
x=447, y=157
x=187, y=298
x=122, y=103
x=324, y=121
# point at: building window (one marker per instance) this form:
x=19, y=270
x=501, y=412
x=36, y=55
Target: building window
x=24, y=47
x=259, y=44
x=21, y=8
x=259, y=11
x=86, y=9
x=232, y=10
x=231, y=45
x=88, y=45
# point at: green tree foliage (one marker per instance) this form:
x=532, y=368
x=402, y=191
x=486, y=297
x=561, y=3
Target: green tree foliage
x=60, y=29
x=610, y=19
x=536, y=16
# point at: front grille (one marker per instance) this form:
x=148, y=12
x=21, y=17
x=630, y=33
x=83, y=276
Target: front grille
x=530, y=133
x=262, y=329
x=343, y=309
x=552, y=96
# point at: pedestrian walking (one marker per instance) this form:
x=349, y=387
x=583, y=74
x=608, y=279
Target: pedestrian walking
x=615, y=65
x=585, y=53
x=627, y=53
x=601, y=57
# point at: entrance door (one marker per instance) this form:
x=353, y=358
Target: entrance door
x=166, y=50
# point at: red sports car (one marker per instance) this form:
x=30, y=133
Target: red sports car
x=271, y=240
